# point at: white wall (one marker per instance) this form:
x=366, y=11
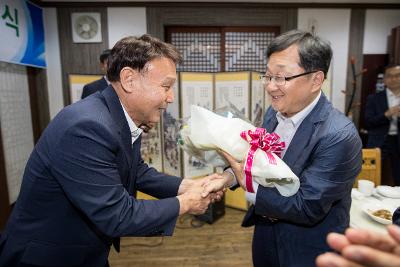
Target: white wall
x=54, y=80
x=124, y=22
x=378, y=26
x=121, y=22
x=16, y=124
x=332, y=25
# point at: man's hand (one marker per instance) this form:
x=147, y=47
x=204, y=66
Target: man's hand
x=363, y=248
x=192, y=201
x=393, y=111
x=237, y=168
x=215, y=179
x=195, y=195
x=215, y=185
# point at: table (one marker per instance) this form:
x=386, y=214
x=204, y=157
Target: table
x=358, y=219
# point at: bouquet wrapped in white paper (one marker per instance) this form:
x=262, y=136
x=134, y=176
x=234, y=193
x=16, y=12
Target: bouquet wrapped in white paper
x=207, y=132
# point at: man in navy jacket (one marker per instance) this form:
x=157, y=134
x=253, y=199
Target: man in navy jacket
x=99, y=84
x=382, y=115
x=77, y=195
x=323, y=149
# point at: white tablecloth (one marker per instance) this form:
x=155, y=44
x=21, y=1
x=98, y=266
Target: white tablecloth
x=358, y=219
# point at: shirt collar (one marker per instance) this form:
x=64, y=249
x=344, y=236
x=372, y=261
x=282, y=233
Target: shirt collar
x=390, y=93
x=105, y=78
x=135, y=131
x=300, y=116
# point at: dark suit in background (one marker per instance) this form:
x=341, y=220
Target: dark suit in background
x=378, y=125
x=76, y=193
x=94, y=87
x=325, y=153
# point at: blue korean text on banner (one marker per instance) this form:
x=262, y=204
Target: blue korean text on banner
x=22, y=33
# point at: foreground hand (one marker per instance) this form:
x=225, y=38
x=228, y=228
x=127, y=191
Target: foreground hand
x=363, y=248
x=237, y=167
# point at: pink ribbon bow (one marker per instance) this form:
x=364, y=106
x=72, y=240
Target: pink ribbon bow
x=260, y=139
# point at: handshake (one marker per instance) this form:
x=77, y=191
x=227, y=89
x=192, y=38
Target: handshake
x=195, y=195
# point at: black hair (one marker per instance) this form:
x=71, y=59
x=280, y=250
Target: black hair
x=104, y=55
x=314, y=53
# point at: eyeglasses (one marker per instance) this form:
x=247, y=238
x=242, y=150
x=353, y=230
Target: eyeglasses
x=281, y=80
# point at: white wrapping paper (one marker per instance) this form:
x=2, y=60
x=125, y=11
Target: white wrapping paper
x=209, y=131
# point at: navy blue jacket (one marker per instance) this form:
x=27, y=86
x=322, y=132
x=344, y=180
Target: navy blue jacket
x=93, y=87
x=376, y=122
x=325, y=153
x=77, y=190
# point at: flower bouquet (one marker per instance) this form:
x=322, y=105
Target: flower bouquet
x=206, y=132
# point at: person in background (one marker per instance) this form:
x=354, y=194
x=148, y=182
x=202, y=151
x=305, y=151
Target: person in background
x=99, y=84
x=77, y=194
x=382, y=115
x=322, y=147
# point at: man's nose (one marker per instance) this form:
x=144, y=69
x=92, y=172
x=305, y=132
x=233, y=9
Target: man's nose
x=271, y=86
x=170, y=96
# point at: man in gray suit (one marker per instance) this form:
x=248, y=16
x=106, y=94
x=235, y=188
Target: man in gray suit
x=323, y=149
x=77, y=194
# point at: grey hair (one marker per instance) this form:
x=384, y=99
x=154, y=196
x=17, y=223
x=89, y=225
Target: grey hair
x=314, y=52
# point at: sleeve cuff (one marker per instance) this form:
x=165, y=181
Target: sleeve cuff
x=234, y=184
x=251, y=197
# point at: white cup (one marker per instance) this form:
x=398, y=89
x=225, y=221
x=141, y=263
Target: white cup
x=366, y=187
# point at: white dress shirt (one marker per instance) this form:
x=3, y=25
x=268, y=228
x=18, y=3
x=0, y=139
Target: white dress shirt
x=286, y=129
x=393, y=101
x=105, y=78
x=135, y=131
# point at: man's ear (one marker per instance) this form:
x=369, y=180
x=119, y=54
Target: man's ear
x=128, y=78
x=318, y=80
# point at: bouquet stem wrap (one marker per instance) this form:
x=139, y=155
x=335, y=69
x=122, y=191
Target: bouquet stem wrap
x=260, y=139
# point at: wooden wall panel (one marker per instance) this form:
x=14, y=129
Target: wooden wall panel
x=79, y=58
x=394, y=46
x=159, y=17
x=357, y=21
x=39, y=100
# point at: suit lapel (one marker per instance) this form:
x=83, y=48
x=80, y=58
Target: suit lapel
x=270, y=120
x=299, y=142
x=305, y=132
x=117, y=113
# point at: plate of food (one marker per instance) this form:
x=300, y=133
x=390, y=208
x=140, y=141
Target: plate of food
x=379, y=212
x=388, y=191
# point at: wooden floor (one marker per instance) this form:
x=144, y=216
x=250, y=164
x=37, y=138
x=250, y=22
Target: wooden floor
x=224, y=243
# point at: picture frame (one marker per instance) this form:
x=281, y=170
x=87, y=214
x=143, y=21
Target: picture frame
x=172, y=163
x=151, y=148
x=77, y=82
x=196, y=89
x=257, y=107
x=234, y=88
